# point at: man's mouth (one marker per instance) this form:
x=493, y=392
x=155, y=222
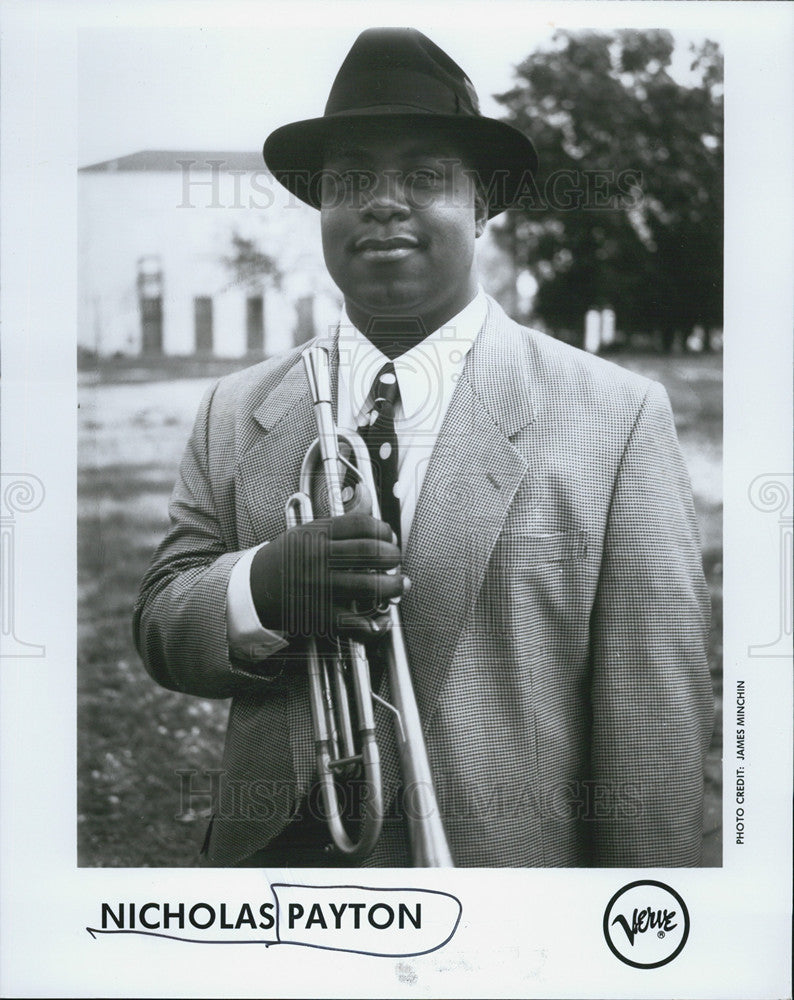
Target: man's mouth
x=386, y=247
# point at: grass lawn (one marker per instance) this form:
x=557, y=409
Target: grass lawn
x=138, y=745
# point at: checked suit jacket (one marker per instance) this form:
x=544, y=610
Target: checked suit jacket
x=556, y=626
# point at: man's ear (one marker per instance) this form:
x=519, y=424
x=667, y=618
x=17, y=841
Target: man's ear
x=480, y=214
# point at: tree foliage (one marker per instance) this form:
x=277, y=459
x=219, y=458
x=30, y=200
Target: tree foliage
x=249, y=265
x=629, y=212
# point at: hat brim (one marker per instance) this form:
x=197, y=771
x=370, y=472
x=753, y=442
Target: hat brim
x=503, y=157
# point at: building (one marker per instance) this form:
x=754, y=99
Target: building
x=184, y=252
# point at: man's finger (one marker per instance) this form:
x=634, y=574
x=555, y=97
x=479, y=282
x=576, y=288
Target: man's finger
x=363, y=554
x=360, y=627
x=368, y=590
x=359, y=526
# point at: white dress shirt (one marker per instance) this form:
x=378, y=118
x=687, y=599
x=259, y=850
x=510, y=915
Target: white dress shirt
x=426, y=375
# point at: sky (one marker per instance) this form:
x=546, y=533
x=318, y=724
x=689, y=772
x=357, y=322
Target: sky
x=148, y=81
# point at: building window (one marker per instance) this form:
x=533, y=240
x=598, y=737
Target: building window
x=304, y=320
x=202, y=311
x=150, y=302
x=255, y=324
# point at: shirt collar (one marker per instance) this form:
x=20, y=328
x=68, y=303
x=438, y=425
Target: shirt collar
x=426, y=374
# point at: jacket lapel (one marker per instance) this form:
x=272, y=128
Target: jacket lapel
x=473, y=475
x=269, y=472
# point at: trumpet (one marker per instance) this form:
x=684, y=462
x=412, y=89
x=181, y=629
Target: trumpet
x=340, y=689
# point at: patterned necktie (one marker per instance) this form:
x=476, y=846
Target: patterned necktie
x=381, y=442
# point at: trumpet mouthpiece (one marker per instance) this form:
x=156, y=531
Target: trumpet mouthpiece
x=315, y=361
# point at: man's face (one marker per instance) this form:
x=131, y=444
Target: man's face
x=399, y=219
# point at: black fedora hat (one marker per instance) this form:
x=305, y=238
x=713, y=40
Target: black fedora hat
x=402, y=74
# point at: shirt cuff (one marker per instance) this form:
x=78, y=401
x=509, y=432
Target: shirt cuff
x=248, y=638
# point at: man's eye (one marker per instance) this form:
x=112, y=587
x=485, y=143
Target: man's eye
x=424, y=177
x=354, y=180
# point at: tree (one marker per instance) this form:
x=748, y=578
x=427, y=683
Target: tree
x=628, y=210
x=255, y=271
x=251, y=266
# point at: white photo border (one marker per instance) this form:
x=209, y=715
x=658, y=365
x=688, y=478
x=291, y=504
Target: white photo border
x=523, y=932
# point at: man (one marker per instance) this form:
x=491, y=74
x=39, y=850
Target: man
x=537, y=528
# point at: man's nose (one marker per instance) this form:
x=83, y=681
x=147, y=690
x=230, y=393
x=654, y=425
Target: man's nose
x=386, y=198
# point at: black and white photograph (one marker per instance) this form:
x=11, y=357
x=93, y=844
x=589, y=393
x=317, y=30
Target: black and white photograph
x=560, y=642
x=418, y=385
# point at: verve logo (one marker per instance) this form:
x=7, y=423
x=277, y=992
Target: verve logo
x=646, y=924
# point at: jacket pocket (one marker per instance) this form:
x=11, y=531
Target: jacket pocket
x=520, y=548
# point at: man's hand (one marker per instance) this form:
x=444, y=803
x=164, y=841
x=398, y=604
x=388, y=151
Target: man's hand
x=328, y=578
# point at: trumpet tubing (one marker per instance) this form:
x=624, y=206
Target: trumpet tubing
x=332, y=678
